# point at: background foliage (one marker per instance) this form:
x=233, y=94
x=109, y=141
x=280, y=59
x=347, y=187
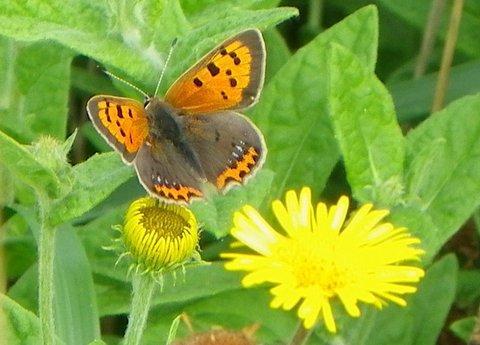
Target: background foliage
x=340, y=112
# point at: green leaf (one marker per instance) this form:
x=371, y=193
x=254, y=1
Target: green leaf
x=406, y=325
x=216, y=214
x=76, y=313
x=19, y=326
x=94, y=30
x=34, y=94
x=94, y=180
x=19, y=246
x=292, y=111
x=416, y=13
x=443, y=168
x=97, y=342
x=463, y=328
x=278, y=53
x=134, y=44
x=468, y=289
x=207, y=8
x=23, y=165
x=7, y=193
x=113, y=296
x=366, y=128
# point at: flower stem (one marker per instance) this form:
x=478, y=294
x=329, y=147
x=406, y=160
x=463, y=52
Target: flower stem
x=447, y=56
x=301, y=335
x=143, y=289
x=46, y=286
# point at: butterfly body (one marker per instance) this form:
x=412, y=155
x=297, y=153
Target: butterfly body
x=194, y=136
x=165, y=125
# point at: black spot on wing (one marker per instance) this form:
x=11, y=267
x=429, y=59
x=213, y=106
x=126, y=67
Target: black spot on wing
x=197, y=82
x=213, y=69
x=119, y=111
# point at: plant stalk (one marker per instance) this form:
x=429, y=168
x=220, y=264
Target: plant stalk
x=429, y=36
x=301, y=335
x=45, y=282
x=143, y=288
x=447, y=56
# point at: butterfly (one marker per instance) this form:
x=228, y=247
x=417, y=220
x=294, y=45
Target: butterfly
x=194, y=136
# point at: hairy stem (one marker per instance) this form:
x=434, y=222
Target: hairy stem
x=45, y=286
x=143, y=289
x=447, y=56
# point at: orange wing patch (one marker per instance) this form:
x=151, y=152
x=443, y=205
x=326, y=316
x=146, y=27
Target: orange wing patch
x=239, y=169
x=126, y=122
x=230, y=77
x=180, y=193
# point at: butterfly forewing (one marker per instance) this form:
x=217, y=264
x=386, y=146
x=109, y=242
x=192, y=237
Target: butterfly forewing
x=229, y=77
x=121, y=121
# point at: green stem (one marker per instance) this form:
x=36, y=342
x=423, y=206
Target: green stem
x=46, y=286
x=301, y=335
x=143, y=289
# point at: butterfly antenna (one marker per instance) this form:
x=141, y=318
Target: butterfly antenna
x=126, y=82
x=174, y=42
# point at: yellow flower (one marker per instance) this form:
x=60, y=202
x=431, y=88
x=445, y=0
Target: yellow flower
x=322, y=257
x=159, y=236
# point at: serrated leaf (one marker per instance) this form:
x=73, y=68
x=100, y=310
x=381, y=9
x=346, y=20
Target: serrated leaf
x=22, y=164
x=292, y=110
x=133, y=44
x=34, y=94
x=365, y=126
x=19, y=326
x=216, y=214
x=94, y=180
x=443, y=168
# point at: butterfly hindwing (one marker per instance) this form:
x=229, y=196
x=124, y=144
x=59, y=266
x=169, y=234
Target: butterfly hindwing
x=229, y=77
x=165, y=170
x=121, y=121
x=229, y=146
x=165, y=173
